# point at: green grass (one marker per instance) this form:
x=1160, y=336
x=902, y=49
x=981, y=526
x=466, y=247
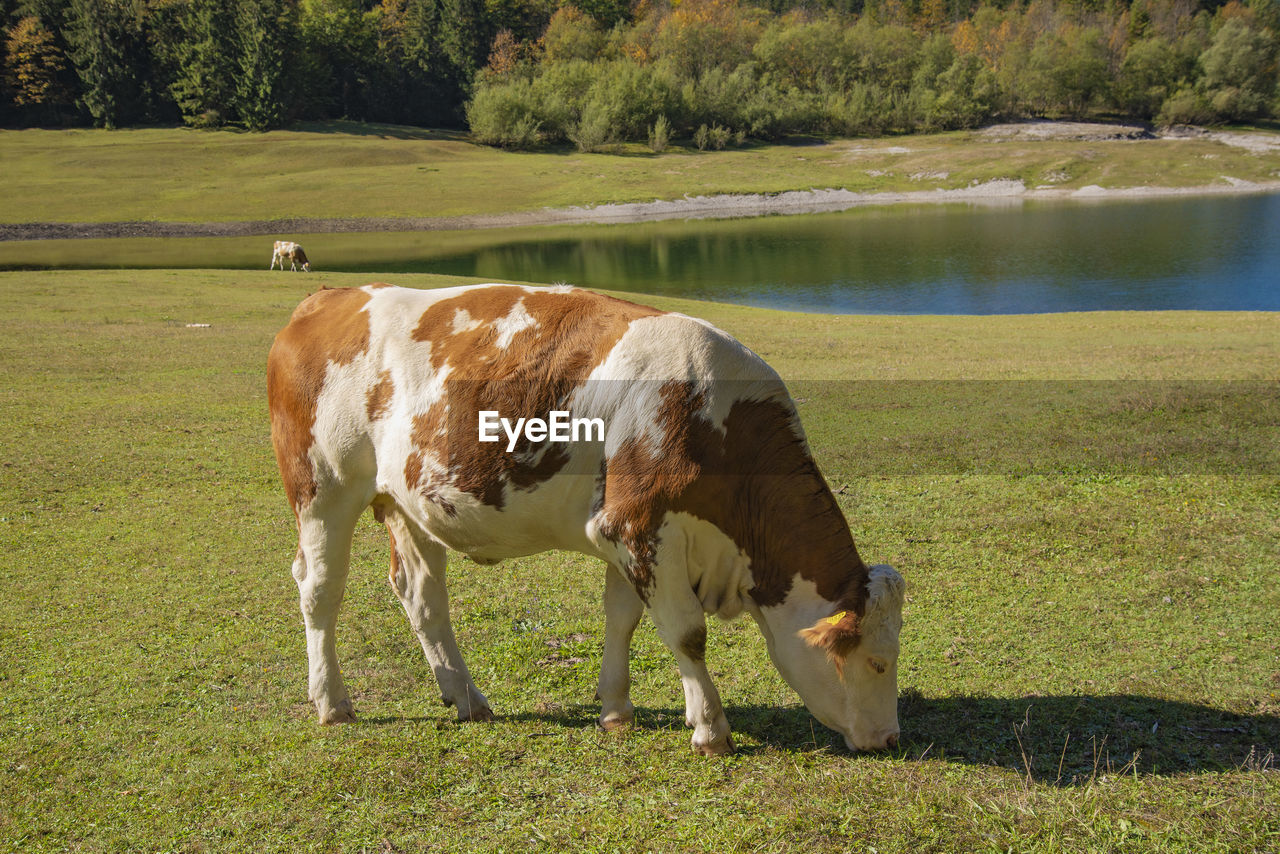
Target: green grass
x=1089, y=657
x=346, y=170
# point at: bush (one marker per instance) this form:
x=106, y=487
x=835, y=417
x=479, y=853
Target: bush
x=1186, y=107
x=560, y=92
x=631, y=97
x=594, y=131
x=505, y=114
x=659, y=135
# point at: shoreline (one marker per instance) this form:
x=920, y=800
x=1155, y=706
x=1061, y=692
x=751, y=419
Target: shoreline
x=793, y=202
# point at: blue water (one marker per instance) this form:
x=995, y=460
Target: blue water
x=1212, y=254
x=1208, y=253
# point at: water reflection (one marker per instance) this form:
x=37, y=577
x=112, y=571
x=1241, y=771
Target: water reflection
x=1216, y=253
x=1188, y=254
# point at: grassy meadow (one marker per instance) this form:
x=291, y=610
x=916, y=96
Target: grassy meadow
x=352, y=170
x=1089, y=658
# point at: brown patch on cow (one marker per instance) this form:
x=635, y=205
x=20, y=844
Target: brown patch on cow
x=327, y=327
x=571, y=333
x=694, y=643
x=838, y=636
x=378, y=399
x=395, y=557
x=757, y=483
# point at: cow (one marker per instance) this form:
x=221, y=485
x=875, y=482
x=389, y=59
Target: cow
x=700, y=498
x=285, y=249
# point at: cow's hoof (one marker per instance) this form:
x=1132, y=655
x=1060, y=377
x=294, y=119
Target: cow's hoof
x=721, y=747
x=341, y=713
x=615, y=722
x=477, y=714
x=716, y=748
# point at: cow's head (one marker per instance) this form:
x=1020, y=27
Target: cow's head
x=845, y=667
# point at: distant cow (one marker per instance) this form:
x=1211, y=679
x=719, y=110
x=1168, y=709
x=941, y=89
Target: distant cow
x=701, y=497
x=285, y=249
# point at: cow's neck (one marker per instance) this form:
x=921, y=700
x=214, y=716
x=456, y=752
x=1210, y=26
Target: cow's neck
x=800, y=535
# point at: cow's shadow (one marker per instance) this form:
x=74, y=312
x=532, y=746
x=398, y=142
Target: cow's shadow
x=1057, y=740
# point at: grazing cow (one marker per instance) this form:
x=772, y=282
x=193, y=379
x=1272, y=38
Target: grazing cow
x=285, y=249
x=701, y=496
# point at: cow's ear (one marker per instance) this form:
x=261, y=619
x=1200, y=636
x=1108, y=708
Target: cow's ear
x=837, y=636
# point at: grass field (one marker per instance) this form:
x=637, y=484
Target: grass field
x=350, y=170
x=1089, y=657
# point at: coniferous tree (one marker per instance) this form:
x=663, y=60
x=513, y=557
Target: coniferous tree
x=339, y=41
x=205, y=58
x=105, y=39
x=260, y=81
x=447, y=41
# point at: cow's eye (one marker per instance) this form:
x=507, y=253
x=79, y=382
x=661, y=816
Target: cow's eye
x=876, y=664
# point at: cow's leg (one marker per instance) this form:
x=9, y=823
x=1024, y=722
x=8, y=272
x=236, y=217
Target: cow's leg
x=320, y=569
x=622, y=612
x=274, y=258
x=677, y=613
x=418, y=578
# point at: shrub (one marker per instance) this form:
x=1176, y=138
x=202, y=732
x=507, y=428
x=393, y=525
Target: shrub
x=594, y=131
x=1186, y=107
x=505, y=114
x=659, y=135
x=631, y=97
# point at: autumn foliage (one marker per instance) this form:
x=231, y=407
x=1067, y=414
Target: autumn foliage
x=599, y=72
x=726, y=69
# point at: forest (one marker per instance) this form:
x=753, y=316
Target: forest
x=527, y=73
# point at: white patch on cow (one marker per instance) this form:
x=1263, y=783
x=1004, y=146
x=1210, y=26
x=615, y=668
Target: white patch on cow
x=863, y=705
x=515, y=322
x=654, y=350
x=719, y=571
x=463, y=322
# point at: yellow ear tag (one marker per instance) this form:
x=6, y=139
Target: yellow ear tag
x=834, y=619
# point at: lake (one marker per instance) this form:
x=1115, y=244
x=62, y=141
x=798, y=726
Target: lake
x=1219, y=253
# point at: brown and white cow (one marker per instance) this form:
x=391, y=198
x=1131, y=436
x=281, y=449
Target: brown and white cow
x=285, y=250
x=702, y=497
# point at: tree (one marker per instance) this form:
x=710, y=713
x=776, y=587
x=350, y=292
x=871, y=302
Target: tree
x=571, y=35
x=106, y=45
x=340, y=41
x=447, y=41
x=259, y=95
x=700, y=35
x=1149, y=74
x=1239, y=70
x=203, y=86
x=1067, y=71
x=34, y=66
